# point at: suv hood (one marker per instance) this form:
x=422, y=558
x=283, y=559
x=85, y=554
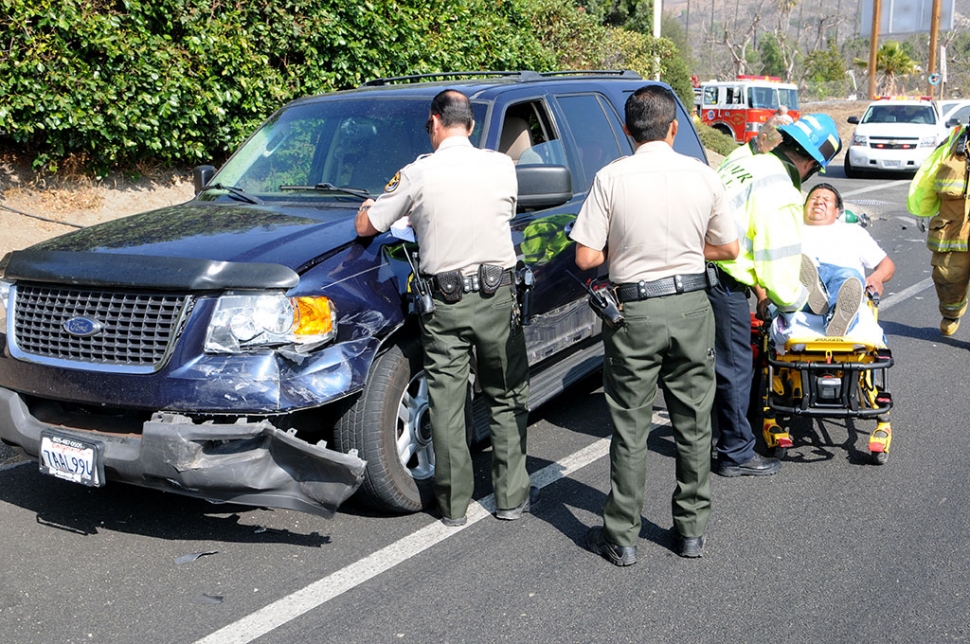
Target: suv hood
x=218, y=232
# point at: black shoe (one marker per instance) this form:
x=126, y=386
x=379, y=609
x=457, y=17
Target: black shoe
x=454, y=523
x=757, y=465
x=532, y=499
x=617, y=555
x=691, y=547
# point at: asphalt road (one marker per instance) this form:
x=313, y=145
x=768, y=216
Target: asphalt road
x=832, y=549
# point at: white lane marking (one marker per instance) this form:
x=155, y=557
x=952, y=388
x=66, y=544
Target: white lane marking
x=879, y=186
x=319, y=592
x=905, y=294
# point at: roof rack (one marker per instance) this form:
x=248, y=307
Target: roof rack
x=625, y=73
x=443, y=75
x=525, y=75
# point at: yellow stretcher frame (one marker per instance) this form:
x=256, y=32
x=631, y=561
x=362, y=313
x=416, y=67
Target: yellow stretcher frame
x=825, y=378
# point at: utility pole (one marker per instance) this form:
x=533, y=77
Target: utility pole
x=687, y=28
x=658, y=9
x=934, y=31
x=874, y=47
x=711, y=63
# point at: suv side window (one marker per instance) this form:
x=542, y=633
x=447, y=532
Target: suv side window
x=528, y=137
x=595, y=138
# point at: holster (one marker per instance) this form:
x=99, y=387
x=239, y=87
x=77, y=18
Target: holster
x=711, y=271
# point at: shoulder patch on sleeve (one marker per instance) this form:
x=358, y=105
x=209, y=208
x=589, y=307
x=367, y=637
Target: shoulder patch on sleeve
x=393, y=183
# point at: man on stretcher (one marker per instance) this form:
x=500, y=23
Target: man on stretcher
x=835, y=258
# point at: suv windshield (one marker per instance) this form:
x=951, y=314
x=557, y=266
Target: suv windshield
x=900, y=114
x=355, y=143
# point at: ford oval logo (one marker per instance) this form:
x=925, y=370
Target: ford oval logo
x=83, y=327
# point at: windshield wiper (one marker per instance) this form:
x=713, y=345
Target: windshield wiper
x=234, y=191
x=329, y=187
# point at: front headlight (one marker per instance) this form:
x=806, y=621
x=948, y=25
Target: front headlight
x=269, y=320
x=860, y=139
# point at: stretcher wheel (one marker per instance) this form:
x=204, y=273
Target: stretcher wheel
x=879, y=443
x=779, y=452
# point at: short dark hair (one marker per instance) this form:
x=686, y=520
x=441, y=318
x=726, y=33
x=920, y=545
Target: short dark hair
x=453, y=108
x=649, y=112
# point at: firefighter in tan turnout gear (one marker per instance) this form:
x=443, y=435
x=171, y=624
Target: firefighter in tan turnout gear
x=939, y=190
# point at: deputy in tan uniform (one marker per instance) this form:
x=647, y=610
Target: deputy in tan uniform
x=657, y=216
x=460, y=201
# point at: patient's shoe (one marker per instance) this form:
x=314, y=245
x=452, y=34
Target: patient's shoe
x=846, y=307
x=949, y=326
x=818, y=299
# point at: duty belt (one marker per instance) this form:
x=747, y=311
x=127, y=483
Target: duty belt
x=488, y=279
x=643, y=290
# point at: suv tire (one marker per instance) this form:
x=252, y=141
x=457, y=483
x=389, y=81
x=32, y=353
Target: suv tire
x=388, y=425
x=850, y=171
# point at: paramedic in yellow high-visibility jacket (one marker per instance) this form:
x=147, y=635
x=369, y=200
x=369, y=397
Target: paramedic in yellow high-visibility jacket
x=763, y=193
x=939, y=190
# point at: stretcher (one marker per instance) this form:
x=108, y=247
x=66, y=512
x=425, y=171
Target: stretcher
x=821, y=377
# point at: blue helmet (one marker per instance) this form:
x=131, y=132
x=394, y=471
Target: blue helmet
x=817, y=135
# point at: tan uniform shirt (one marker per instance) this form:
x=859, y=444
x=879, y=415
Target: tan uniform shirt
x=460, y=200
x=653, y=211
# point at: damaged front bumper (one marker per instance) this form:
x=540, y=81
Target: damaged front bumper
x=251, y=463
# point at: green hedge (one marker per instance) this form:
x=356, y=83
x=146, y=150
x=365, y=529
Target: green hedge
x=179, y=82
x=715, y=139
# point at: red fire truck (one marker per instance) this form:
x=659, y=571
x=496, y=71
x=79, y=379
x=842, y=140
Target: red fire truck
x=740, y=107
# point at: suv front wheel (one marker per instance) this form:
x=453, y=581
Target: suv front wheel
x=389, y=427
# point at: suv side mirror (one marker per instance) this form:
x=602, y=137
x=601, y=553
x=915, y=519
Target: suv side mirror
x=853, y=119
x=201, y=175
x=543, y=186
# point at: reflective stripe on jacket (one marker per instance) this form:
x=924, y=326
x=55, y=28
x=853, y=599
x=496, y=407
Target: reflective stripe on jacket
x=923, y=199
x=767, y=208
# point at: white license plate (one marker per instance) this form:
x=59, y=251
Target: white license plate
x=72, y=459
x=891, y=164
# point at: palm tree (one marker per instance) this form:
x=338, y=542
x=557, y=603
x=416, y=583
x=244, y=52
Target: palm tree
x=893, y=63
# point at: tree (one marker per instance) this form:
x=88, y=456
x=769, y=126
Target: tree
x=825, y=73
x=893, y=62
x=772, y=58
x=739, y=46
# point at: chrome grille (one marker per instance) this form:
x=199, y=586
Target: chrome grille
x=136, y=329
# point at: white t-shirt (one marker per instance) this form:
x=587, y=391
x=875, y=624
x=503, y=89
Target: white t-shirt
x=842, y=244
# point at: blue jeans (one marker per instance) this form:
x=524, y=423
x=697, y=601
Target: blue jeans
x=832, y=277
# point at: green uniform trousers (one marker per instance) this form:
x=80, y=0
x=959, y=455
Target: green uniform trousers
x=502, y=370
x=670, y=339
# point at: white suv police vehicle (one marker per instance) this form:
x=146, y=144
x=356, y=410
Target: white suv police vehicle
x=894, y=135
